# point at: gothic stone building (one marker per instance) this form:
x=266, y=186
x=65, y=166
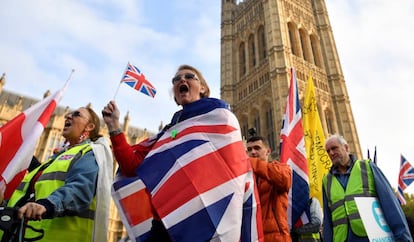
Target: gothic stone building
x=260, y=41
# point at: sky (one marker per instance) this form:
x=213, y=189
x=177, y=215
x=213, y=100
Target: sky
x=42, y=41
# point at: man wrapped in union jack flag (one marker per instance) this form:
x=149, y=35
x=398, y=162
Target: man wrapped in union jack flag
x=193, y=178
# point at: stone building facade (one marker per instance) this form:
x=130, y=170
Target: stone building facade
x=260, y=41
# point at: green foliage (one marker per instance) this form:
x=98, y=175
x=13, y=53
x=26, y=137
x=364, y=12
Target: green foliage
x=409, y=207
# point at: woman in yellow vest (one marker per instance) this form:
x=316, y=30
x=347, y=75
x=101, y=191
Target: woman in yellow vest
x=61, y=195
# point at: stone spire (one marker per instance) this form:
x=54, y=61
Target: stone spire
x=2, y=81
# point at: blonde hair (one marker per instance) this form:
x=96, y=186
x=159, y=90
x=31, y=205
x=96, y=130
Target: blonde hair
x=200, y=78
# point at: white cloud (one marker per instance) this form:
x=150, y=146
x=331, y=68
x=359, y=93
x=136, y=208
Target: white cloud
x=373, y=40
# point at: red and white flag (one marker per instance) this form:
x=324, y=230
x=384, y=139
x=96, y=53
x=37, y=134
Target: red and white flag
x=18, y=139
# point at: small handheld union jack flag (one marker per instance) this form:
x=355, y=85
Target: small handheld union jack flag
x=405, y=178
x=134, y=78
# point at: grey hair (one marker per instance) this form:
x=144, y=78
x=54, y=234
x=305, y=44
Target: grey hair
x=337, y=137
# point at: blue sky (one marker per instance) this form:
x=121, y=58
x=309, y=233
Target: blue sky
x=41, y=41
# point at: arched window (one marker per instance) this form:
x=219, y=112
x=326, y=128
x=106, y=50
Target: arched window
x=262, y=43
x=244, y=125
x=270, y=127
x=256, y=123
x=316, y=50
x=294, y=39
x=242, y=60
x=304, y=41
x=252, y=51
x=329, y=122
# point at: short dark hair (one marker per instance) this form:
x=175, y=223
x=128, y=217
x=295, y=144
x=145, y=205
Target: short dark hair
x=257, y=138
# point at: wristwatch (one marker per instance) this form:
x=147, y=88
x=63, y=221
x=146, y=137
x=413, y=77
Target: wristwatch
x=115, y=132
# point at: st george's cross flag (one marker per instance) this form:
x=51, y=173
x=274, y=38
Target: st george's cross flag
x=405, y=178
x=292, y=152
x=199, y=180
x=18, y=139
x=134, y=78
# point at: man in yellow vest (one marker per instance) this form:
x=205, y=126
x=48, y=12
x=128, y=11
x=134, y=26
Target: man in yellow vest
x=348, y=179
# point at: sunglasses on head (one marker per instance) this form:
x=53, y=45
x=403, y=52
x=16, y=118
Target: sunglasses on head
x=186, y=76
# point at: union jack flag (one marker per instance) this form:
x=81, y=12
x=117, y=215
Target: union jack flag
x=292, y=152
x=127, y=192
x=134, y=78
x=405, y=178
x=197, y=178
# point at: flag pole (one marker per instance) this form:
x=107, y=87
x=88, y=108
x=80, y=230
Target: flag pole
x=123, y=74
x=68, y=80
x=116, y=92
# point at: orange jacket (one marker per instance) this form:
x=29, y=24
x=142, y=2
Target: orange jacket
x=273, y=180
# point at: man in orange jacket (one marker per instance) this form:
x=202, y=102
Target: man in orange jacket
x=273, y=180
